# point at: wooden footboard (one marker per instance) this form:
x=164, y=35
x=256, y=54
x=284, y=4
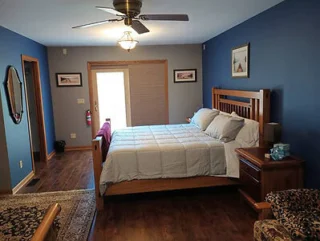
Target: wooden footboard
x=168, y=184
x=97, y=168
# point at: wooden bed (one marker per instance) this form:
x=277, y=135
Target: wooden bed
x=253, y=105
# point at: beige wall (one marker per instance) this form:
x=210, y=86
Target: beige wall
x=69, y=117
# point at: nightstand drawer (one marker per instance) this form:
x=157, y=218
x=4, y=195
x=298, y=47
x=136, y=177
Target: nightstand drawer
x=250, y=169
x=250, y=185
x=260, y=176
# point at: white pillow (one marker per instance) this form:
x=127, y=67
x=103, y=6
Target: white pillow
x=248, y=136
x=203, y=117
x=224, y=113
x=224, y=127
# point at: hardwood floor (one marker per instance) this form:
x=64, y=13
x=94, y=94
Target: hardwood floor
x=207, y=214
x=68, y=171
x=202, y=214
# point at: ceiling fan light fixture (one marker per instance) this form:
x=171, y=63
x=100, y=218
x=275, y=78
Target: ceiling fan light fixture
x=127, y=42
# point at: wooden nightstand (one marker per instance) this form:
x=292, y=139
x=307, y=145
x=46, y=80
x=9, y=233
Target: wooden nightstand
x=260, y=176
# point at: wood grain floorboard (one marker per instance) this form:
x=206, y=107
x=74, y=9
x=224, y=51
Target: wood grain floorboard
x=202, y=214
x=66, y=171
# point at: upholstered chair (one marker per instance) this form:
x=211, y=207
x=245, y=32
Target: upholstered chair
x=296, y=216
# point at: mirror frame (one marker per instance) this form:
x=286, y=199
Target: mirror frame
x=13, y=115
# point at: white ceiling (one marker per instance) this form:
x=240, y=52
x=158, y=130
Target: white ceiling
x=49, y=21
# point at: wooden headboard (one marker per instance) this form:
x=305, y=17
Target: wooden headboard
x=254, y=105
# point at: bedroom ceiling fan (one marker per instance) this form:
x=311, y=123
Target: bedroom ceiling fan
x=128, y=11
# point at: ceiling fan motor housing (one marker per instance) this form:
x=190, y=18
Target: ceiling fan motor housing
x=131, y=8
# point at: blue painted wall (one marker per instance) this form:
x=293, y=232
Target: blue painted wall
x=12, y=46
x=285, y=57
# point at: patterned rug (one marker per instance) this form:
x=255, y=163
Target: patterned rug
x=20, y=215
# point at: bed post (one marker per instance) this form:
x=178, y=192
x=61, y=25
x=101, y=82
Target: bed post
x=264, y=111
x=214, y=104
x=97, y=168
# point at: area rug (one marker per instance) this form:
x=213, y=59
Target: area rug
x=20, y=215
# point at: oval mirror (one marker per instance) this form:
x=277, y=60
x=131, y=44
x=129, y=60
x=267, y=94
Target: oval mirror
x=14, y=93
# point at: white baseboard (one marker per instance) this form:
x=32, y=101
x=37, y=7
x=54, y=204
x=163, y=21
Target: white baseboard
x=52, y=154
x=24, y=182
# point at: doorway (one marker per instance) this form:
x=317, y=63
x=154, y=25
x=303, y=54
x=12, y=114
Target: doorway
x=146, y=91
x=112, y=98
x=34, y=109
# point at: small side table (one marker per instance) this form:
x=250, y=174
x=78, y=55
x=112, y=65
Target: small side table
x=260, y=176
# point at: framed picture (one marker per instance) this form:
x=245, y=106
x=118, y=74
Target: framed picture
x=69, y=80
x=240, y=61
x=185, y=75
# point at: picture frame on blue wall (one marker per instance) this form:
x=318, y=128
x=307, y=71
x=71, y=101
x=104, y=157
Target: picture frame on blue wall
x=240, y=61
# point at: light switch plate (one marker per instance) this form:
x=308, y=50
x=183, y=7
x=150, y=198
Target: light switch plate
x=73, y=135
x=80, y=101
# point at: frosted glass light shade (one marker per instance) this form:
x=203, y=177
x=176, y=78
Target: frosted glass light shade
x=127, y=42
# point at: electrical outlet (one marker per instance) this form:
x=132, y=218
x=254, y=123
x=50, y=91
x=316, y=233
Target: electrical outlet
x=73, y=135
x=80, y=101
x=21, y=164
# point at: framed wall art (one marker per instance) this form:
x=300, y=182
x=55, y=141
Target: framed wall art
x=240, y=61
x=69, y=79
x=185, y=75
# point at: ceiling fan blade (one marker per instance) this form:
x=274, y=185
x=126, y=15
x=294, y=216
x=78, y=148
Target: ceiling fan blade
x=165, y=17
x=93, y=24
x=111, y=10
x=139, y=27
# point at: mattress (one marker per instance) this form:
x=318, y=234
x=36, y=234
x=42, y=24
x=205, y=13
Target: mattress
x=162, y=151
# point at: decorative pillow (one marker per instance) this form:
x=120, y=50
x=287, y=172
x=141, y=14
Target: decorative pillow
x=225, y=128
x=270, y=229
x=248, y=136
x=216, y=126
x=231, y=129
x=225, y=113
x=203, y=117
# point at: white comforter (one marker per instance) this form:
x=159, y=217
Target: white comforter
x=163, y=151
